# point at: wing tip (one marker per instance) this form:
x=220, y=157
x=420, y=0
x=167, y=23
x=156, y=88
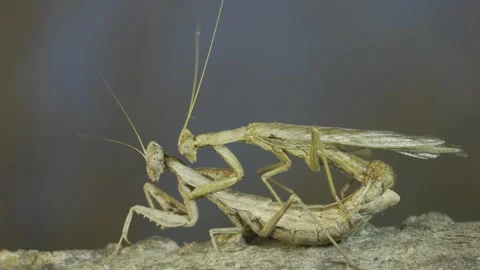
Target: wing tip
x=436, y=151
x=456, y=150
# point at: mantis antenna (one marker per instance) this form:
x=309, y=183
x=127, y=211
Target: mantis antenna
x=195, y=89
x=144, y=153
x=112, y=141
x=123, y=110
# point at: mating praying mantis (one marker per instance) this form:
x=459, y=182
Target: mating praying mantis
x=309, y=143
x=289, y=223
x=301, y=225
x=294, y=224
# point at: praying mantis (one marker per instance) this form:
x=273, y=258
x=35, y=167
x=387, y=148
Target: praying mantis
x=305, y=142
x=281, y=220
x=290, y=223
x=310, y=143
x=295, y=224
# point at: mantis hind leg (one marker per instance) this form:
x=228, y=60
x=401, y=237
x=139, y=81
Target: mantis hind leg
x=319, y=224
x=273, y=221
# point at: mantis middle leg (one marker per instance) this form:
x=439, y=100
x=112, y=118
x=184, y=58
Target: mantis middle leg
x=213, y=174
x=312, y=160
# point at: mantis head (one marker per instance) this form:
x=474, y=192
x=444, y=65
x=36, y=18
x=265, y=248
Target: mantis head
x=186, y=140
x=186, y=145
x=155, y=159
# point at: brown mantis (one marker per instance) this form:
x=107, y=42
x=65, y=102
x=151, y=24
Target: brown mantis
x=277, y=219
x=305, y=142
x=286, y=222
x=294, y=224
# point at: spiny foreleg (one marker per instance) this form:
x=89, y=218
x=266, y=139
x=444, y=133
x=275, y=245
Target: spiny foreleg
x=174, y=214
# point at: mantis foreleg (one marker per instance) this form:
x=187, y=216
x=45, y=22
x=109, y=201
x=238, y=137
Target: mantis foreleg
x=223, y=182
x=174, y=214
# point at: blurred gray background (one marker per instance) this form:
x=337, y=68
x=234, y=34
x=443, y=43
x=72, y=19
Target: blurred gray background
x=406, y=66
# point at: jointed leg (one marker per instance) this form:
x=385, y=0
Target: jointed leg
x=222, y=183
x=312, y=160
x=231, y=214
x=232, y=230
x=166, y=202
x=360, y=153
x=364, y=171
x=185, y=215
x=215, y=173
x=318, y=145
x=360, y=169
x=319, y=224
x=268, y=172
x=352, y=165
x=273, y=221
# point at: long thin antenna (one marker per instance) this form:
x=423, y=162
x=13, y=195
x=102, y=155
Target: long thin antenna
x=195, y=75
x=113, y=141
x=194, y=98
x=123, y=110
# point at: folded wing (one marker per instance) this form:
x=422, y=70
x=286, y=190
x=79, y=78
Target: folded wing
x=424, y=147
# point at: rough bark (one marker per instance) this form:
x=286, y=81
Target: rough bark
x=429, y=241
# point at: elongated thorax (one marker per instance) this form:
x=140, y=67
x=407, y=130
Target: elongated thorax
x=281, y=131
x=222, y=137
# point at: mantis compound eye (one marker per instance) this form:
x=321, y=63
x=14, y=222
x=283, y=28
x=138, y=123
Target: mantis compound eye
x=186, y=146
x=155, y=161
